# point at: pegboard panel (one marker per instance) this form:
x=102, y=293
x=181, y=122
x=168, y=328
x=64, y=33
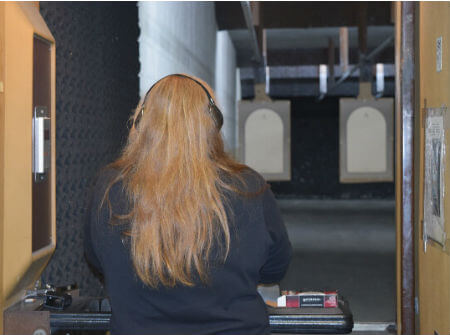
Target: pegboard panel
x=97, y=86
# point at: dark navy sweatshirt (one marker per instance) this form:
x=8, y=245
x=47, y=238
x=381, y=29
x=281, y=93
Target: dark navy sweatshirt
x=229, y=303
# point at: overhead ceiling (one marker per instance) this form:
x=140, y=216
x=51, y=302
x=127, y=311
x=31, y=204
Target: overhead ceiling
x=297, y=36
x=308, y=46
x=304, y=14
x=305, y=27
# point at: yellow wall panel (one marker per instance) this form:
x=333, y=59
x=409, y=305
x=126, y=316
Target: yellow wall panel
x=2, y=143
x=19, y=266
x=434, y=265
x=17, y=167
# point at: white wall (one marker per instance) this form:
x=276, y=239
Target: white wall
x=176, y=37
x=226, y=87
x=182, y=37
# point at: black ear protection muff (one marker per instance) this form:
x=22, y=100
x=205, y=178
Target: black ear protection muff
x=214, y=111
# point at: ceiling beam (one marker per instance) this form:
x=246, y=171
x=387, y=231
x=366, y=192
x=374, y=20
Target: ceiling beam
x=343, y=48
x=309, y=72
x=315, y=56
x=287, y=89
x=249, y=21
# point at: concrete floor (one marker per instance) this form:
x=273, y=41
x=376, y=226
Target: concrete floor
x=347, y=245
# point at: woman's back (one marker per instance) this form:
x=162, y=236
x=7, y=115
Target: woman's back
x=181, y=231
x=227, y=304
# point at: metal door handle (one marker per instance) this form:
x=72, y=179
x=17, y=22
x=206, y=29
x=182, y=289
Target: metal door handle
x=41, y=141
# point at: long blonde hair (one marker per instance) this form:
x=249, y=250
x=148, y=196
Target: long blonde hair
x=174, y=171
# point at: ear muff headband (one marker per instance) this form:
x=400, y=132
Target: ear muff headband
x=214, y=111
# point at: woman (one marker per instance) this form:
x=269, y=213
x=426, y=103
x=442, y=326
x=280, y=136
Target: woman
x=181, y=232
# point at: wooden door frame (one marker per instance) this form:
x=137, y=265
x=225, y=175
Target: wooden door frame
x=405, y=112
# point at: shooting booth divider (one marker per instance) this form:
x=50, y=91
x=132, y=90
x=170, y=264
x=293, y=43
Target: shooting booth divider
x=27, y=155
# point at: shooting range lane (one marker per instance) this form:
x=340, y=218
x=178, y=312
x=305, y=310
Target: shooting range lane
x=346, y=245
